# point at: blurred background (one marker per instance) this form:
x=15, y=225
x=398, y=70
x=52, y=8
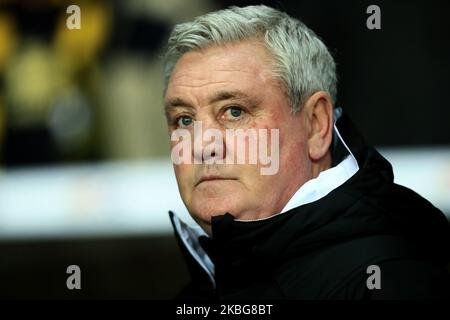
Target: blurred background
x=85, y=172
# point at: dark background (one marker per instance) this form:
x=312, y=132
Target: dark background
x=393, y=82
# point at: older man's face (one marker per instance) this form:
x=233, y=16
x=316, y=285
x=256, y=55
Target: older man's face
x=230, y=87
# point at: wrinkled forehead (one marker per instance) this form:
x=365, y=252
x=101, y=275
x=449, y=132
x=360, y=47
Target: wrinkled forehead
x=244, y=66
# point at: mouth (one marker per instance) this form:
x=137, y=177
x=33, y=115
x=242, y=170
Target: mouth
x=213, y=178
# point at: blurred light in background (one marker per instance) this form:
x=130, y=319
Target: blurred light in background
x=104, y=199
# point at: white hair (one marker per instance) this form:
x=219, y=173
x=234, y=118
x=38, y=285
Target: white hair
x=302, y=62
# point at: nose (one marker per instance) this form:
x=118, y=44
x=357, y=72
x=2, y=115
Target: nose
x=209, y=143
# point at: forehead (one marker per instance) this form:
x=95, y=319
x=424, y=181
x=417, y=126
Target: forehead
x=244, y=66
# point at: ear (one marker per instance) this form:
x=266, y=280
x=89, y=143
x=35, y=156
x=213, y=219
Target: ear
x=318, y=112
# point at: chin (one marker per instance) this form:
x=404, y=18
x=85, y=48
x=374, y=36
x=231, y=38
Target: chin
x=205, y=209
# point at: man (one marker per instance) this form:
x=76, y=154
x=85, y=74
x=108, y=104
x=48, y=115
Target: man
x=328, y=222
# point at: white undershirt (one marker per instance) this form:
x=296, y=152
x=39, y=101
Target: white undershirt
x=326, y=182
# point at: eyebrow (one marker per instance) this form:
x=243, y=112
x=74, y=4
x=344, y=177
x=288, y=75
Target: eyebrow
x=228, y=95
x=218, y=96
x=177, y=102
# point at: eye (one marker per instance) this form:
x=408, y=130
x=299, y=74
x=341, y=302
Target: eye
x=184, y=121
x=234, y=111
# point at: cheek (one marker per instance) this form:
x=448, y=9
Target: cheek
x=293, y=146
x=294, y=159
x=292, y=153
x=184, y=174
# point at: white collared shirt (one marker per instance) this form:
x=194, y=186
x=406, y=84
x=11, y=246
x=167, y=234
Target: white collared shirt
x=326, y=182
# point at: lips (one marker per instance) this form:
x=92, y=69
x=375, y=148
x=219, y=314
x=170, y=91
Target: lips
x=213, y=178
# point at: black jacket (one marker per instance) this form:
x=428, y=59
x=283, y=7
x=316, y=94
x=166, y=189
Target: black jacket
x=322, y=250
